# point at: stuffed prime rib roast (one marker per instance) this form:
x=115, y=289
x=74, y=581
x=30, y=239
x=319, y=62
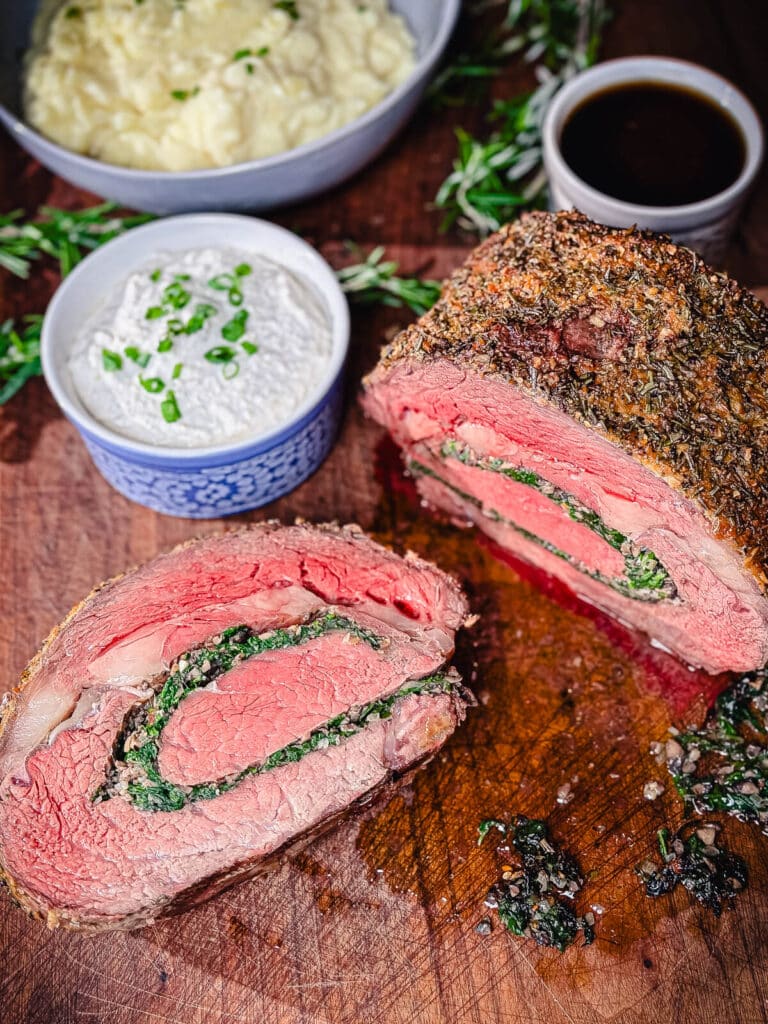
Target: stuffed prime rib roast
x=194, y=716
x=596, y=400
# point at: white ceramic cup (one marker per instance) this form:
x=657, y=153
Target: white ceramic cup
x=706, y=225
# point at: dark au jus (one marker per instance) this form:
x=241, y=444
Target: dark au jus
x=653, y=144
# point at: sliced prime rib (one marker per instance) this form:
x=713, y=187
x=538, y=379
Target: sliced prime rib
x=596, y=400
x=191, y=718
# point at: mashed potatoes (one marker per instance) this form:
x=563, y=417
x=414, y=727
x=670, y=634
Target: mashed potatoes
x=176, y=85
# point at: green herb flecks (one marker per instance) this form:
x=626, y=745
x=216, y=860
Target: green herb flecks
x=111, y=361
x=692, y=859
x=177, y=373
x=249, y=347
x=169, y=407
x=135, y=772
x=154, y=385
x=645, y=578
x=19, y=355
x=203, y=312
x=375, y=280
x=155, y=275
x=137, y=356
x=289, y=6
x=234, y=329
x=494, y=178
x=73, y=12
x=220, y=354
x=723, y=764
x=184, y=94
x=228, y=283
x=530, y=901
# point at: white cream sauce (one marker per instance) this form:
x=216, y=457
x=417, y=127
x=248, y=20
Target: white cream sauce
x=170, y=359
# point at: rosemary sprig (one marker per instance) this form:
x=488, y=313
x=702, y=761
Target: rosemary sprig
x=375, y=280
x=64, y=235
x=494, y=178
x=19, y=355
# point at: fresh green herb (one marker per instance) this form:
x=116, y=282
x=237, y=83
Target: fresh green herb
x=165, y=345
x=64, y=235
x=234, y=329
x=485, y=827
x=243, y=269
x=169, y=407
x=249, y=347
x=222, y=282
x=110, y=360
x=182, y=277
x=177, y=371
x=530, y=900
x=176, y=295
x=493, y=179
x=73, y=12
x=185, y=94
x=241, y=54
x=289, y=6
x=154, y=313
x=691, y=858
x=137, y=356
x=230, y=370
x=203, y=312
x=220, y=354
x=135, y=771
x=262, y=51
x=375, y=280
x=723, y=764
x=155, y=275
x=249, y=68
x=154, y=385
x=19, y=355
x=175, y=326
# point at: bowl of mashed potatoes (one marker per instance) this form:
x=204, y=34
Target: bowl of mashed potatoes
x=183, y=105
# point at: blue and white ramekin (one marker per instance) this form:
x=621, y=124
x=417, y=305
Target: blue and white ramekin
x=199, y=483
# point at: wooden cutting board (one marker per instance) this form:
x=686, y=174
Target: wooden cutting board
x=376, y=922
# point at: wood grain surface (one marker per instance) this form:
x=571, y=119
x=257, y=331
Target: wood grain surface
x=376, y=921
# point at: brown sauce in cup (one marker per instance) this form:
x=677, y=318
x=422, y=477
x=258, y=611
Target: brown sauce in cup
x=653, y=144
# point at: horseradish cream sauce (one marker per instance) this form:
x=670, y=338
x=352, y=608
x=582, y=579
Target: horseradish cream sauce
x=202, y=348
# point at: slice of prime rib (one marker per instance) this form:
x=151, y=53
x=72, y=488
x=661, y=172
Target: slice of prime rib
x=191, y=718
x=596, y=400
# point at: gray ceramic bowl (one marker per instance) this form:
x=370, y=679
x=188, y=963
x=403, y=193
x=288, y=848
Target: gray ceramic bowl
x=257, y=184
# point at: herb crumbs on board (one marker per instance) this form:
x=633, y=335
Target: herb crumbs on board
x=722, y=765
x=530, y=900
x=691, y=858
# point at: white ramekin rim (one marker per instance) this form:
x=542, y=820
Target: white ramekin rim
x=160, y=234
x=652, y=69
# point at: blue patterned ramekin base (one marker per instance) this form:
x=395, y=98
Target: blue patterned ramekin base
x=255, y=478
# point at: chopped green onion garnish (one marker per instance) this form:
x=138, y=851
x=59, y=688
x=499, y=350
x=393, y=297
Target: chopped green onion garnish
x=184, y=94
x=222, y=282
x=230, y=370
x=165, y=345
x=234, y=329
x=240, y=54
x=169, y=408
x=289, y=6
x=152, y=384
x=197, y=321
x=174, y=326
x=176, y=371
x=181, y=277
x=135, y=354
x=110, y=360
x=154, y=312
x=155, y=275
x=262, y=51
x=243, y=269
x=176, y=295
x=249, y=347
x=235, y=296
x=220, y=354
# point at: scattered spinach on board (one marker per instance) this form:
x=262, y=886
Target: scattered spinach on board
x=531, y=901
x=493, y=179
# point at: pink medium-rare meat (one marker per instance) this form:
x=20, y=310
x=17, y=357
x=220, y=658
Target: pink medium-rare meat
x=596, y=400
x=194, y=716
